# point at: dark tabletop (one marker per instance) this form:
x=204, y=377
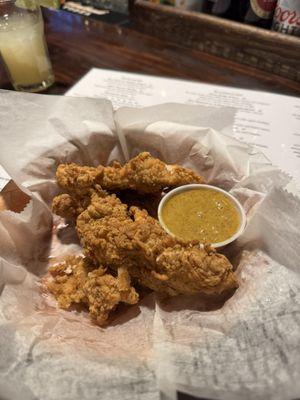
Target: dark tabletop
x=78, y=43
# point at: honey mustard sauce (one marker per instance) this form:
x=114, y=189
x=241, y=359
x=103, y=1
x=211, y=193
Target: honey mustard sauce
x=204, y=215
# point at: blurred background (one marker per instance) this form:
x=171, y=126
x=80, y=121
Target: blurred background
x=261, y=34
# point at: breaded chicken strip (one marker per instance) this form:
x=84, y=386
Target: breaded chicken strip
x=77, y=280
x=143, y=174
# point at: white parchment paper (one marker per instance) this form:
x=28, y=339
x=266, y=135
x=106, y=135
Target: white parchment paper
x=247, y=349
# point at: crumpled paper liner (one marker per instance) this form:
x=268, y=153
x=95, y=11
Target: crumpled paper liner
x=249, y=348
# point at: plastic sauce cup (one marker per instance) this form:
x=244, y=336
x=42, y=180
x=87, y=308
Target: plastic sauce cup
x=237, y=204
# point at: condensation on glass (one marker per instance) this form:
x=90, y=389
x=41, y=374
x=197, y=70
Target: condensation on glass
x=23, y=47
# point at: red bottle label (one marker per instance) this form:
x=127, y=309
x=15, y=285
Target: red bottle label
x=263, y=8
x=287, y=17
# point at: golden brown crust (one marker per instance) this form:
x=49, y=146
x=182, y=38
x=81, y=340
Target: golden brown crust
x=68, y=279
x=104, y=292
x=76, y=178
x=69, y=207
x=143, y=173
x=77, y=280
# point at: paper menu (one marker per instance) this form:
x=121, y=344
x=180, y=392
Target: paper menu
x=269, y=122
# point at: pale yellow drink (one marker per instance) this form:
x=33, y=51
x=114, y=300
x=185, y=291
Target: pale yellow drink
x=24, y=51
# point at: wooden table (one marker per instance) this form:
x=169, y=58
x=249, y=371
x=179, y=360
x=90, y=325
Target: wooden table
x=78, y=43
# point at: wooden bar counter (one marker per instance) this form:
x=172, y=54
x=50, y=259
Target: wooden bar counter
x=78, y=43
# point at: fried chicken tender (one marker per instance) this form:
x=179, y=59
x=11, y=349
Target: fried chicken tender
x=70, y=207
x=77, y=280
x=104, y=292
x=144, y=174
x=68, y=281
x=114, y=236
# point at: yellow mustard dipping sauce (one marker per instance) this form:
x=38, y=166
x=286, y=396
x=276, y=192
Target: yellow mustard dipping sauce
x=201, y=214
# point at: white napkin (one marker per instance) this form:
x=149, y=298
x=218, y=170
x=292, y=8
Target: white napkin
x=247, y=349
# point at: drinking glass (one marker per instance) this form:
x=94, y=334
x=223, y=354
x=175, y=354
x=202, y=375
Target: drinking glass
x=23, y=47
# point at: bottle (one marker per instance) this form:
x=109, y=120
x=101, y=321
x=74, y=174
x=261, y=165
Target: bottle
x=257, y=12
x=287, y=17
x=23, y=47
x=221, y=8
